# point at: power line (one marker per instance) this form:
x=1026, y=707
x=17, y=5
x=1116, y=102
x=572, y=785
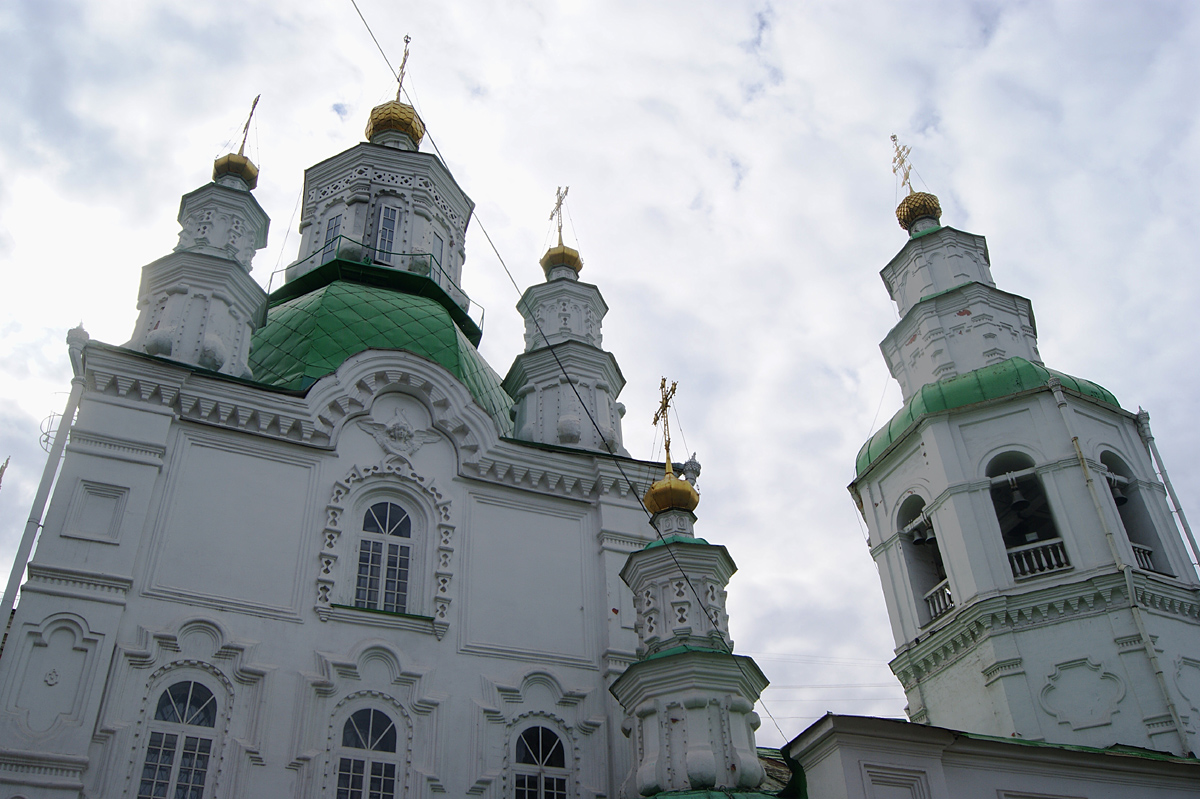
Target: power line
x=615, y=459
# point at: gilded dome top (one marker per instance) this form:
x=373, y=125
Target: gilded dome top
x=395, y=115
x=671, y=493
x=916, y=205
x=237, y=165
x=561, y=255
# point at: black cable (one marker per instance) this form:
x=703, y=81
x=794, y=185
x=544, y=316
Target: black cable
x=612, y=455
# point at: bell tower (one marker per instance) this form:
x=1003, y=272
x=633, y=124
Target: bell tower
x=1036, y=581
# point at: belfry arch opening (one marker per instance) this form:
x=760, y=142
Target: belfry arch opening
x=1134, y=513
x=926, y=571
x=1026, y=521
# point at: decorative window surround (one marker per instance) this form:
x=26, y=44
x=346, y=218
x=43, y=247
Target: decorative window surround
x=439, y=538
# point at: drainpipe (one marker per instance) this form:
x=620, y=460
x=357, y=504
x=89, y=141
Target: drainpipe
x=1126, y=571
x=76, y=338
x=1143, y=422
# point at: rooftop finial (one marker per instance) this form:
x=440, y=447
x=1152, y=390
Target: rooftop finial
x=560, y=254
x=671, y=492
x=246, y=129
x=900, y=164
x=235, y=170
x=668, y=394
x=919, y=211
x=403, y=64
x=559, y=196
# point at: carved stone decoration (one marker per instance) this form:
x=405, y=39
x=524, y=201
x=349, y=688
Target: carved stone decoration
x=398, y=437
x=439, y=539
x=536, y=698
x=1081, y=693
x=1187, y=681
x=55, y=663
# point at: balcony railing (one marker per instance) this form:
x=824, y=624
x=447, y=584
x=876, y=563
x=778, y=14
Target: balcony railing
x=1040, y=557
x=344, y=248
x=1144, y=557
x=939, y=600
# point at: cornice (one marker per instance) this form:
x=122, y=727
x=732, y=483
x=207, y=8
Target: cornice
x=976, y=621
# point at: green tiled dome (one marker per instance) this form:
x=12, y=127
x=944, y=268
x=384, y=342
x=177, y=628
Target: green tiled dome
x=311, y=335
x=991, y=382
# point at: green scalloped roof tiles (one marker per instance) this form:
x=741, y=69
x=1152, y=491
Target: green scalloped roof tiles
x=991, y=382
x=310, y=336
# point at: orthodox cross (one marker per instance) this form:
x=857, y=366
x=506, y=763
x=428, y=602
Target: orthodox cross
x=661, y=415
x=403, y=63
x=900, y=164
x=246, y=129
x=559, y=196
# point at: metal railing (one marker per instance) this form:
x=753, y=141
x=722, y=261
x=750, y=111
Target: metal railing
x=343, y=248
x=1144, y=556
x=1040, y=557
x=938, y=600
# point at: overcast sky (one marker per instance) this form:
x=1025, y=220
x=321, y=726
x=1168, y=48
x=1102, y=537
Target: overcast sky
x=732, y=197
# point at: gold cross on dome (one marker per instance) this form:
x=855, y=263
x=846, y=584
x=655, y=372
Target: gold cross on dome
x=559, y=196
x=900, y=164
x=661, y=415
x=246, y=129
x=403, y=63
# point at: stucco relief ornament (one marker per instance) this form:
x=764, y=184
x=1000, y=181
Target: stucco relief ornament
x=398, y=437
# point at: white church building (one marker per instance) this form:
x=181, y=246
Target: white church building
x=309, y=544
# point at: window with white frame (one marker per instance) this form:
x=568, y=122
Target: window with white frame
x=333, y=229
x=384, y=559
x=539, y=765
x=388, y=220
x=367, y=766
x=181, y=743
x=436, y=246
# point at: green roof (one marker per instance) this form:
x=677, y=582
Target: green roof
x=308, y=336
x=991, y=382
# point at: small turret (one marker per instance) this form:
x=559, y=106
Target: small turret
x=689, y=699
x=199, y=304
x=562, y=332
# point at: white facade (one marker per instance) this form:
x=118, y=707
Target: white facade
x=359, y=586
x=851, y=757
x=1024, y=600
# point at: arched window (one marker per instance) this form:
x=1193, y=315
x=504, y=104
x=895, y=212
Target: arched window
x=925, y=568
x=1026, y=521
x=384, y=555
x=541, y=765
x=1135, y=516
x=180, y=745
x=366, y=772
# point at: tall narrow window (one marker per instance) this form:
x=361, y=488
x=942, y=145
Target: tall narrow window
x=1135, y=516
x=333, y=229
x=383, y=559
x=1026, y=521
x=926, y=571
x=436, y=245
x=366, y=772
x=541, y=765
x=179, y=748
x=387, y=234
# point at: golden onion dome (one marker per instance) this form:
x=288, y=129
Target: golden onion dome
x=561, y=255
x=395, y=115
x=237, y=165
x=917, y=205
x=671, y=493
